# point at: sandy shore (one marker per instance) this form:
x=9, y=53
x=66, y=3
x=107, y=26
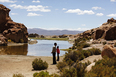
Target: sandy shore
x=17, y=64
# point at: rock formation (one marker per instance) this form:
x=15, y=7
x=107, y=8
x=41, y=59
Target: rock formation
x=3, y=40
x=108, y=51
x=17, y=32
x=106, y=31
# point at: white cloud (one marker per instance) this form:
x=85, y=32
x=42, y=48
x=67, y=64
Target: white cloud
x=36, y=1
x=80, y=12
x=9, y=1
x=14, y=13
x=97, y=8
x=33, y=14
x=113, y=0
x=99, y=14
x=111, y=15
x=31, y=7
x=64, y=9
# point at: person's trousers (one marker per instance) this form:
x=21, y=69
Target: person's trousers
x=54, y=58
x=57, y=56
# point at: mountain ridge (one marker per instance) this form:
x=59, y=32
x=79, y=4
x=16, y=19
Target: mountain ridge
x=52, y=32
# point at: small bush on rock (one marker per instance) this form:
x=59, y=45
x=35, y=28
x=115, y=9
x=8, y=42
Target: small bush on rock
x=104, y=43
x=18, y=75
x=84, y=45
x=44, y=74
x=95, y=51
x=41, y=74
x=61, y=65
x=39, y=64
x=69, y=73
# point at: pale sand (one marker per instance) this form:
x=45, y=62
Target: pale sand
x=16, y=64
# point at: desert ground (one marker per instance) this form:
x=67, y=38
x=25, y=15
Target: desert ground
x=17, y=64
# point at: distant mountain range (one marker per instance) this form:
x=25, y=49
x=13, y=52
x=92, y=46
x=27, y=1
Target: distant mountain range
x=51, y=32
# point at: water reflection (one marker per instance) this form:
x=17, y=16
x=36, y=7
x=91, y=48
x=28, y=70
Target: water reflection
x=14, y=50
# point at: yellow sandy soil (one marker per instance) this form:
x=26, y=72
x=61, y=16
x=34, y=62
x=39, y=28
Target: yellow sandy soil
x=16, y=64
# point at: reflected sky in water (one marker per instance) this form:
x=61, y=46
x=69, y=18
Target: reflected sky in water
x=42, y=48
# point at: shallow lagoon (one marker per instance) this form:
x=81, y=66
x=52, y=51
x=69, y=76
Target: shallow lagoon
x=42, y=48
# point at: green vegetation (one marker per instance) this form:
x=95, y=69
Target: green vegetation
x=103, y=68
x=61, y=65
x=77, y=70
x=71, y=66
x=21, y=40
x=39, y=64
x=80, y=55
x=80, y=43
x=104, y=43
x=18, y=75
x=44, y=74
x=66, y=49
x=64, y=39
x=69, y=73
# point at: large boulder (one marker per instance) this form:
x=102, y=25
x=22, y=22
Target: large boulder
x=111, y=20
x=111, y=34
x=17, y=32
x=98, y=33
x=3, y=40
x=109, y=51
x=4, y=14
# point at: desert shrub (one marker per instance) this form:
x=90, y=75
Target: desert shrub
x=41, y=74
x=86, y=53
x=104, y=42
x=44, y=74
x=95, y=60
x=18, y=75
x=114, y=44
x=84, y=45
x=103, y=68
x=21, y=40
x=80, y=43
x=69, y=73
x=80, y=67
x=73, y=56
x=39, y=64
x=87, y=63
x=95, y=51
x=54, y=75
x=77, y=70
x=61, y=65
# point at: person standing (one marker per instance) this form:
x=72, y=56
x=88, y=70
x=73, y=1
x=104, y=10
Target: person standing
x=58, y=52
x=54, y=53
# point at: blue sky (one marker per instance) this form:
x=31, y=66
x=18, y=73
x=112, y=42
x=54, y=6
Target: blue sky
x=61, y=14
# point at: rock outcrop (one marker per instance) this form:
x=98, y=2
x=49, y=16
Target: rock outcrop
x=3, y=40
x=106, y=31
x=109, y=51
x=17, y=32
